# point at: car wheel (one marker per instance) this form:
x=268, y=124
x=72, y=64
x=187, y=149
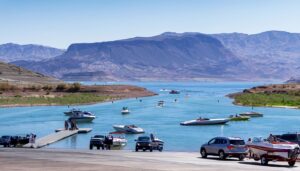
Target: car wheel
x=292, y=163
x=144, y=149
x=136, y=149
x=241, y=157
x=151, y=149
x=98, y=147
x=203, y=153
x=91, y=147
x=264, y=161
x=222, y=155
x=102, y=147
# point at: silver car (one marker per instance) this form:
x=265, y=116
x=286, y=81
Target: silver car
x=225, y=147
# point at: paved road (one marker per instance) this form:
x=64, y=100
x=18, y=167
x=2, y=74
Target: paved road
x=84, y=160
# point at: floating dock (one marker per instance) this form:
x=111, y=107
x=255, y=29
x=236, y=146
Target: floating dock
x=54, y=137
x=80, y=130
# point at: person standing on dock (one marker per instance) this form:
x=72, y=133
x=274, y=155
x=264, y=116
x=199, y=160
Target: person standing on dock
x=66, y=125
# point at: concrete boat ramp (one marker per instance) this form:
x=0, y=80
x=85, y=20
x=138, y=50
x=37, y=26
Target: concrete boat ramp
x=54, y=137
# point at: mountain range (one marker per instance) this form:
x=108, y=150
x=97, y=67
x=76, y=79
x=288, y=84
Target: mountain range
x=11, y=52
x=178, y=56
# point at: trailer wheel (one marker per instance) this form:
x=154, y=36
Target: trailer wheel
x=292, y=163
x=264, y=161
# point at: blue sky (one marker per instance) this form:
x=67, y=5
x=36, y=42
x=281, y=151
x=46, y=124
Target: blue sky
x=59, y=23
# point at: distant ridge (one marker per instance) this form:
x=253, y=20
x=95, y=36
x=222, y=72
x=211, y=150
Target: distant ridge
x=16, y=75
x=179, y=56
x=169, y=56
x=11, y=52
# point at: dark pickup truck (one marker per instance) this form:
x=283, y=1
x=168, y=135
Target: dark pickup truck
x=98, y=141
x=147, y=143
x=8, y=141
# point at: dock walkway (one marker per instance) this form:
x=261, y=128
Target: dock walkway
x=54, y=137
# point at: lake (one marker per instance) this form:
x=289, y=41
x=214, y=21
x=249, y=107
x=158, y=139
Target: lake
x=205, y=99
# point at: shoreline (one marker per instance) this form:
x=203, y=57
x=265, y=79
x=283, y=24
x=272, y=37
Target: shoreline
x=78, y=104
x=269, y=106
x=98, y=160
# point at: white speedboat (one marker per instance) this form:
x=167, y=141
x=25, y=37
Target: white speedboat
x=252, y=114
x=83, y=117
x=128, y=129
x=125, y=110
x=73, y=112
x=205, y=121
x=119, y=142
x=274, y=150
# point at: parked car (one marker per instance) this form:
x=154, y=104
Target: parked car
x=149, y=143
x=225, y=147
x=291, y=137
x=6, y=140
x=98, y=141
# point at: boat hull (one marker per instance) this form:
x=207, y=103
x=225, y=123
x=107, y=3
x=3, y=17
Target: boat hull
x=205, y=122
x=80, y=120
x=121, y=128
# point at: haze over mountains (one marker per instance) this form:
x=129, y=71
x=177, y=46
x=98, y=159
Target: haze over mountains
x=173, y=56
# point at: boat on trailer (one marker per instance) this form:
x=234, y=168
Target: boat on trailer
x=273, y=150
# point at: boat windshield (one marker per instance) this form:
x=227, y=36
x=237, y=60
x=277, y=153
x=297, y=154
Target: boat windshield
x=258, y=139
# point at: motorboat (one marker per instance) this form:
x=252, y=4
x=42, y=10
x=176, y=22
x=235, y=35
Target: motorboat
x=252, y=114
x=83, y=117
x=125, y=110
x=73, y=111
x=174, y=92
x=273, y=150
x=161, y=103
x=205, y=121
x=128, y=129
x=239, y=118
x=119, y=142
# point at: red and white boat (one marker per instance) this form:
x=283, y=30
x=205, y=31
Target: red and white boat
x=277, y=150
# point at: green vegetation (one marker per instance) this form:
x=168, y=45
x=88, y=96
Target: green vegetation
x=69, y=99
x=263, y=99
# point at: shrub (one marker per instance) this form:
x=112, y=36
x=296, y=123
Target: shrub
x=61, y=87
x=47, y=87
x=6, y=87
x=74, y=87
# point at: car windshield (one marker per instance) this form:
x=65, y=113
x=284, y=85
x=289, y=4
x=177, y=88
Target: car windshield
x=5, y=137
x=289, y=137
x=143, y=139
x=237, y=142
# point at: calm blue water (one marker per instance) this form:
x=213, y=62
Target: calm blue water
x=196, y=99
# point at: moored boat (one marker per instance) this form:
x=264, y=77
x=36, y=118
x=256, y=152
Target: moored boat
x=239, y=118
x=161, y=103
x=252, y=114
x=73, y=111
x=174, y=92
x=83, y=117
x=125, y=110
x=128, y=129
x=205, y=121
